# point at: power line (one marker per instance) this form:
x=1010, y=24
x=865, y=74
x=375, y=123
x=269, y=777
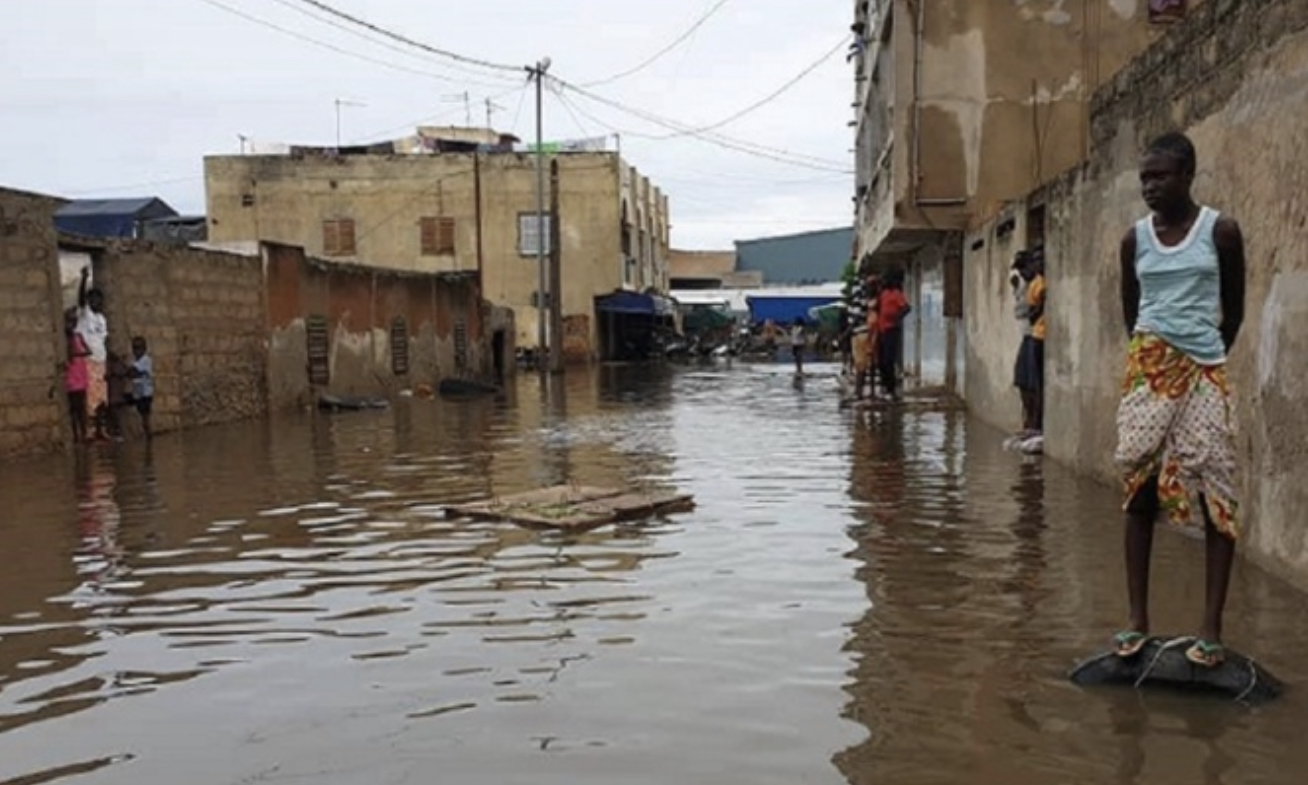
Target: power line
x=801, y=76
x=370, y=39
x=354, y=20
x=325, y=45
x=678, y=41
x=748, y=148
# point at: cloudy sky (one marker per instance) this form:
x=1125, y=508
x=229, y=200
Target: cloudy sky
x=125, y=97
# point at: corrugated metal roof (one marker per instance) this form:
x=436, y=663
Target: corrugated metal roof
x=80, y=207
x=810, y=257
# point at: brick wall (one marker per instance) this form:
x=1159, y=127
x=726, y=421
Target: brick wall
x=31, y=385
x=360, y=307
x=203, y=315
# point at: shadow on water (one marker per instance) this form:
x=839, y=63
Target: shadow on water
x=287, y=600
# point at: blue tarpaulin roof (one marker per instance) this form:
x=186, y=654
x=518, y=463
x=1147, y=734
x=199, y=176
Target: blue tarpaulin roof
x=785, y=310
x=634, y=303
x=110, y=217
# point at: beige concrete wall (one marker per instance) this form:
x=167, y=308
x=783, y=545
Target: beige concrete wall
x=32, y=398
x=1235, y=76
x=285, y=200
x=1000, y=104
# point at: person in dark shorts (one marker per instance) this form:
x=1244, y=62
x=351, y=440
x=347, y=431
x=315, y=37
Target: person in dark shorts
x=142, y=376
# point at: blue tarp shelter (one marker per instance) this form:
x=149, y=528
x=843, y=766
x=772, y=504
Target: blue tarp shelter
x=785, y=310
x=111, y=217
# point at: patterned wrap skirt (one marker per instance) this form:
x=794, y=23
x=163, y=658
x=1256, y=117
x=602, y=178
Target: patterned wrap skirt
x=1174, y=425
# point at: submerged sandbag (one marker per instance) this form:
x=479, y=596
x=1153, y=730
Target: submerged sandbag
x=1162, y=661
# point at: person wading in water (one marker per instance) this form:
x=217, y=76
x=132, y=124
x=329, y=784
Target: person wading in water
x=1183, y=272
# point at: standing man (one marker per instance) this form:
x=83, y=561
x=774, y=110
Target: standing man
x=1024, y=376
x=1035, y=301
x=94, y=330
x=1183, y=279
x=892, y=307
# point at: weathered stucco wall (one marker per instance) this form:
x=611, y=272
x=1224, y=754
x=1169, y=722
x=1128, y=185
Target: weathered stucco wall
x=360, y=307
x=32, y=399
x=202, y=313
x=1234, y=76
x=284, y=199
x=998, y=105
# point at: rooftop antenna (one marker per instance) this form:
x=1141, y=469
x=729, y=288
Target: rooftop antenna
x=466, y=99
x=491, y=106
x=245, y=140
x=340, y=102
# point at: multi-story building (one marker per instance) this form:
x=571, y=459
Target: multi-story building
x=456, y=206
x=964, y=105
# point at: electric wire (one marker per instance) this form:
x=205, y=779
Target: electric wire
x=326, y=45
x=379, y=30
x=678, y=41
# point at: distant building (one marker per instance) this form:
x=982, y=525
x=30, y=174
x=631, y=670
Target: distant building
x=456, y=206
x=797, y=259
x=111, y=217
x=699, y=270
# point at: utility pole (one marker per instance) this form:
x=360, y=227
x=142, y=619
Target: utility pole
x=537, y=72
x=556, y=273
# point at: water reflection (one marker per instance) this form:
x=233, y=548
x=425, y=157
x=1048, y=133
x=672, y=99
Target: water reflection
x=878, y=597
x=988, y=574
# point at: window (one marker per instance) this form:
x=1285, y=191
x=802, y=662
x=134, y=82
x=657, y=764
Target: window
x=399, y=346
x=528, y=227
x=338, y=237
x=461, y=344
x=437, y=236
x=319, y=350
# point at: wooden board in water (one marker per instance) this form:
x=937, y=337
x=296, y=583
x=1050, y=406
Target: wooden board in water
x=572, y=507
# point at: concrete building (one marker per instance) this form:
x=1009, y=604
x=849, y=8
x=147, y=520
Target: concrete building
x=1232, y=75
x=691, y=270
x=456, y=212
x=961, y=107
x=804, y=259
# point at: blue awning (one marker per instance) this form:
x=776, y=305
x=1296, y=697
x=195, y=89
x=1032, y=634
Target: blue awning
x=785, y=310
x=634, y=303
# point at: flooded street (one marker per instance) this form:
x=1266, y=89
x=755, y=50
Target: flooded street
x=879, y=598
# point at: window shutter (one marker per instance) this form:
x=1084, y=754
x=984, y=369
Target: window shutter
x=445, y=239
x=427, y=230
x=347, y=237
x=331, y=239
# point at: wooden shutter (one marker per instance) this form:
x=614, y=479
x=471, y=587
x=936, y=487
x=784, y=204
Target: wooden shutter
x=331, y=239
x=437, y=236
x=427, y=229
x=445, y=236
x=346, y=228
x=338, y=238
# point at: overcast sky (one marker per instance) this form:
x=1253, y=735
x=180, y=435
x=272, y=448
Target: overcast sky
x=125, y=97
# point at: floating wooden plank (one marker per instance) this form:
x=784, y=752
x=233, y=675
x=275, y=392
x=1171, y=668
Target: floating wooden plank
x=1162, y=661
x=572, y=507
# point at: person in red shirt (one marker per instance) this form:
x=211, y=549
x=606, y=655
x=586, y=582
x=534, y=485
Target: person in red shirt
x=891, y=309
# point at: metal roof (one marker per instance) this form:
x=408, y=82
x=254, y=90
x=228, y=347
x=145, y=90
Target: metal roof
x=134, y=207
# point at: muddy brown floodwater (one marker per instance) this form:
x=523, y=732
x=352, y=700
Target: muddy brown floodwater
x=880, y=599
